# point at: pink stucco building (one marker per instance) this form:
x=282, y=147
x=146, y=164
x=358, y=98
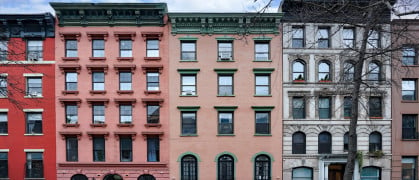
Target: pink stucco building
x=225, y=94
x=112, y=91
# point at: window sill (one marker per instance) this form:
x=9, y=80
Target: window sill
x=125, y=91
x=125, y=58
x=97, y=58
x=299, y=81
x=410, y=101
x=158, y=125
x=376, y=117
x=325, y=81
x=4, y=97
x=152, y=92
x=71, y=125
x=188, y=95
x=70, y=58
x=410, y=139
x=152, y=58
x=225, y=60
x=33, y=96
x=4, y=134
x=189, y=60
x=415, y=65
x=98, y=125
x=35, y=134
x=226, y=95
x=125, y=125
x=263, y=135
x=226, y=135
x=97, y=92
x=69, y=92
x=188, y=135
x=262, y=60
x=256, y=95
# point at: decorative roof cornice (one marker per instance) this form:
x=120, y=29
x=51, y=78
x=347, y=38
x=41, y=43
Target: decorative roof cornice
x=27, y=25
x=225, y=23
x=110, y=14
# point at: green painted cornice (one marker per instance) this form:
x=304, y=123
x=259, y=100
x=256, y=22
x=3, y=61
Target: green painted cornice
x=110, y=14
x=225, y=23
x=38, y=26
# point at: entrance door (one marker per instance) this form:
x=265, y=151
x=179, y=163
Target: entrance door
x=336, y=171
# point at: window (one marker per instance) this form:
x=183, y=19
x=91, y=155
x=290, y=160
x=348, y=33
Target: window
x=375, y=107
x=98, y=113
x=262, y=168
x=153, y=149
x=409, y=89
x=3, y=123
x=302, y=173
x=3, y=50
x=347, y=107
x=325, y=109
x=298, y=70
x=373, y=39
x=298, y=143
x=125, y=48
x=409, y=126
x=153, y=48
x=409, y=56
x=261, y=51
x=188, y=50
x=71, y=81
x=262, y=84
x=98, y=148
x=125, y=81
x=346, y=141
x=125, y=114
x=374, y=71
x=3, y=85
x=188, y=84
x=409, y=168
x=348, y=71
x=34, y=86
x=325, y=143
x=71, y=113
x=79, y=177
x=371, y=173
x=146, y=177
x=33, y=123
x=297, y=37
x=225, y=123
x=153, y=113
x=263, y=122
x=375, y=142
x=98, y=79
x=188, y=123
x=189, y=168
x=35, y=50
x=324, y=71
x=323, y=37
x=225, y=50
x=225, y=167
x=34, y=165
x=98, y=49
x=153, y=81
x=72, y=149
x=71, y=48
x=298, y=108
x=113, y=177
x=125, y=149
x=348, y=35
x=4, y=167
x=225, y=85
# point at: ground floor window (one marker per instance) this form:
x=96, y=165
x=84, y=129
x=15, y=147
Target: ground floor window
x=146, y=177
x=79, y=177
x=112, y=177
x=302, y=173
x=371, y=173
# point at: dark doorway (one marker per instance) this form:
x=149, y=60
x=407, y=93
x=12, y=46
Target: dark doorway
x=336, y=171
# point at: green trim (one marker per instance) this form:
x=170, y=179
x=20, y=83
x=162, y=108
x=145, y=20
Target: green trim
x=194, y=60
x=226, y=95
x=262, y=134
x=226, y=60
x=263, y=108
x=189, y=153
x=188, y=95
x=188, y=38
x=223, y=153
x=256, y=95
x=188, y=135
x=263, y=70
x=188, y=71
x=188, y=108
x=262, y=61
x=266, y=154
x=225, y=71
x=262, y=38
x=225, y=38
x=226, y=135
x=225, y=108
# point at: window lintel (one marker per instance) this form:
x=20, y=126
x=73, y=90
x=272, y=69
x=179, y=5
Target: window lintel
x=69, y=67
x=152, y=100
x=97, y=133
x=94, y=67
x=65, y=134
x=225, y=38
x=119, y=134
x=63, y=101
x=188, y=71
x=151, y=68
x=188, y=108
x=97, y=35
x=124, y=35
x=121, y=67
x=225, y=108
x=263, y=108
x=263, y=70
x=70, y=35
x=152, y=35
x=225, y=71
x=97, y=100
x=152, y=133
x=119, y=101
x=188, y=38
x=262, y=38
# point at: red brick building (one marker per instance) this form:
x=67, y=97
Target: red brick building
x=27, y=108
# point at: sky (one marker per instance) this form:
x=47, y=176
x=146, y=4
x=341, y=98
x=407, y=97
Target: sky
x=41, y=6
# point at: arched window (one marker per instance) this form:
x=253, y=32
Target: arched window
x=375, y=142
x=324, y=71
x=371, y=173
x=348, y=71
x=346, y=141
x=146, y=177
x=298, y=70
x=262, y=167
x=325, y=143
x=189, y=168
x=374, y=71
x=226, y=168
x=79, y=177
x=112, y=177
x=299, y=143
x=302, y=173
